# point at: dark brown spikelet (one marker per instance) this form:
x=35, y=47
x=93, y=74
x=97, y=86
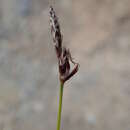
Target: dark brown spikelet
x=55, y=31
x=63, y=54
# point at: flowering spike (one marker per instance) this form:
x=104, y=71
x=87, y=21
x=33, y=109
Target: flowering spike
x=55, y=31
x=63, y=54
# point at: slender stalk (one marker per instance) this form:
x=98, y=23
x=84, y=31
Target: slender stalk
x=60, y=106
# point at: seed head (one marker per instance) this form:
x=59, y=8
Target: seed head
x=63, y=54
x=55, y=31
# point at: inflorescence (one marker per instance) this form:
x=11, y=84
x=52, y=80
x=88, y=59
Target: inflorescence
x=63, y=54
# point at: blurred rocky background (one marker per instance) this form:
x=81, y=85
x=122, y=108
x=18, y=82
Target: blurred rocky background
x=98, y=35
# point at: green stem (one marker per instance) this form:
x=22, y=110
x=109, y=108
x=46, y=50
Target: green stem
x=60, y=106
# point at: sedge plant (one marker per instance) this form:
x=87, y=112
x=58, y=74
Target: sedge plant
x=64, y=59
